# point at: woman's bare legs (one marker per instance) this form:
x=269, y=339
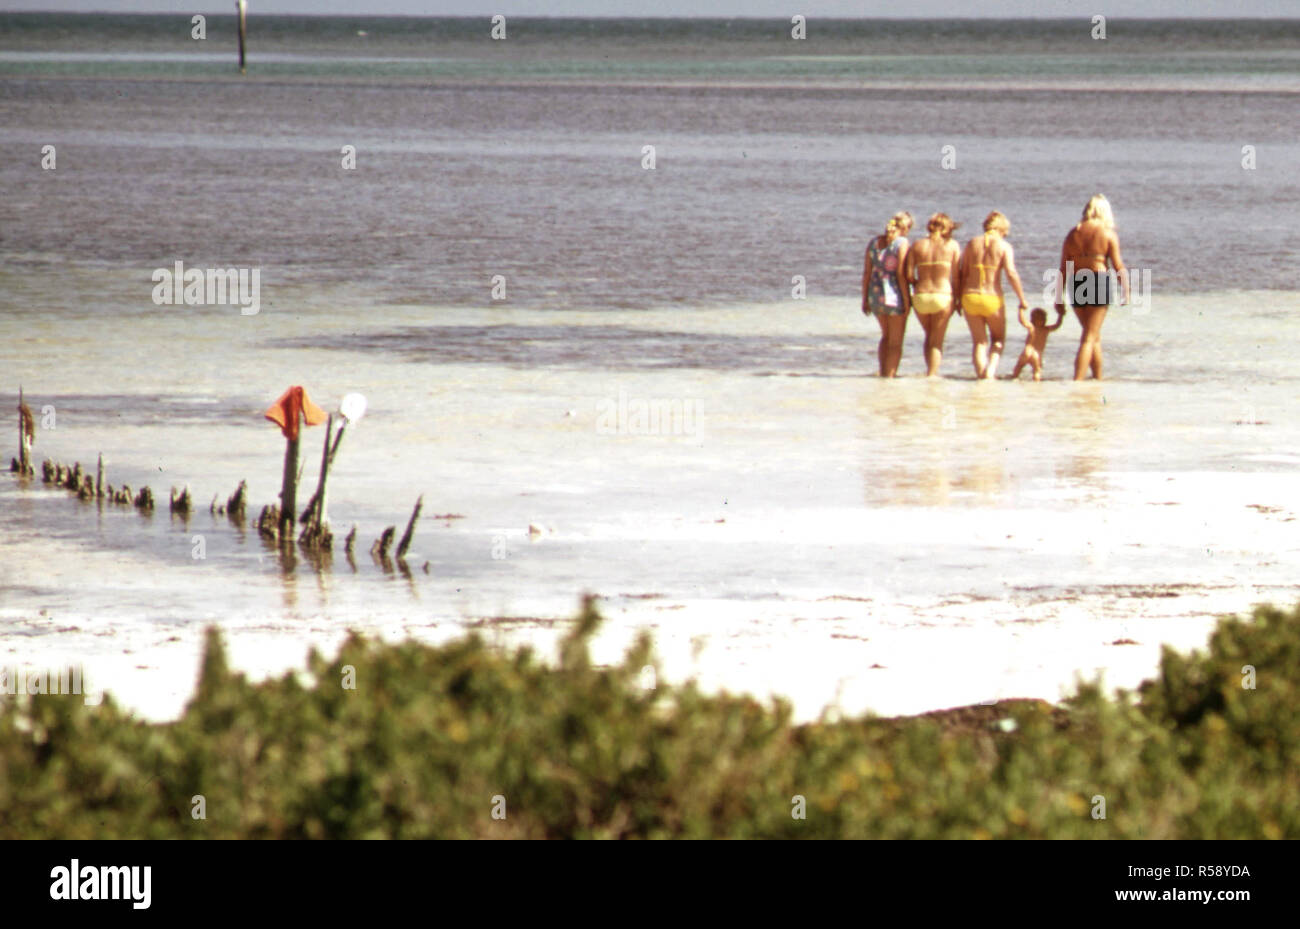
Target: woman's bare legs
x=938, y=332
x=1089, y=356
x=891, y=343
x=880, y=347
x=979, y=350
x=936, y=328
x=927, y=325
x=998, y=336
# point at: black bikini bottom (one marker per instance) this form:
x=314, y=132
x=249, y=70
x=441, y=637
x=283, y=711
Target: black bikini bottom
x=1090, y=288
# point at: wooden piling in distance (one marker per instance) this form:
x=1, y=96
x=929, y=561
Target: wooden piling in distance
x=268, y=521
x=289, y=488
x=99, y=477
x=242, y=7
x=333, y=451
x=318, y=520
x=383, y=543
x=410, y=529
x=181, y=502
x=26, y=435
x=235, y=503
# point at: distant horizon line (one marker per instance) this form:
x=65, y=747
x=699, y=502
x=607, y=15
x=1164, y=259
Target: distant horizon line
x=593, y=16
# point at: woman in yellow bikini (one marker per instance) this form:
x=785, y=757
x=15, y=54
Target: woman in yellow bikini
x=1087, y=248
x=985, y=260
x=928, y=282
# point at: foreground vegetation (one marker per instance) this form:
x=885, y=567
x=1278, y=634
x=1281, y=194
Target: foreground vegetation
x=466, y=741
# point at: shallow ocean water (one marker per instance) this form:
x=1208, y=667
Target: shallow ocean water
x=807, y=523
x=792, y=525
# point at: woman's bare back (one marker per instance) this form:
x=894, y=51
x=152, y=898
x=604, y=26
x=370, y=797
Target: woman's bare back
x=1089, y=245
x=931, y=263
x=983, y=253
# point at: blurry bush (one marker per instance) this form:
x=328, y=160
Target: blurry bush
x=432, y=740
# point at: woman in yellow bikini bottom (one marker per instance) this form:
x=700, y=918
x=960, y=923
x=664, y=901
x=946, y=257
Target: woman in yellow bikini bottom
x=979, y=304
x=932, y=303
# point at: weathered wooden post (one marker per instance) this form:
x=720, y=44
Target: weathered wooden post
x=316, y=535
x=289, y=488
x=379, y=550
x=242, y=6
x=26, y=435
x=410, y=530
x=285, y=413
x=351, y=409
x=325, y=456
x=235, y=503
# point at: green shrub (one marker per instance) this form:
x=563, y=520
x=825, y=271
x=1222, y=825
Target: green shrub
x=429, y=737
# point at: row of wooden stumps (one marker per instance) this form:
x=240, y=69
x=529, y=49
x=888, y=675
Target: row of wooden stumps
x=93, y=487
x=275, y=523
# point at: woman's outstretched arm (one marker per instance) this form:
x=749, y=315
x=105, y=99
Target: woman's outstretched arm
x=1060, y=276
x=1117, y=260
x=903, y=253
x=1009, y=265
x=905, y=270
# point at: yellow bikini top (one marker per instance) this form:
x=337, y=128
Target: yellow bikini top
x=926, y=264
x=983, y=267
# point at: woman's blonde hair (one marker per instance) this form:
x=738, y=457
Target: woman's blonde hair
x=898, y=223
x=1098, y=208
x=942, y=224
x=995, y=221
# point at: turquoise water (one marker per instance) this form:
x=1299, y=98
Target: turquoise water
x=1260, y=53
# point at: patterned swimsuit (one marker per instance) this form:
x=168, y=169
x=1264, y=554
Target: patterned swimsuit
x=882, y=285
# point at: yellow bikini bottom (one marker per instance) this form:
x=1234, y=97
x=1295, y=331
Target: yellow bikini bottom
x=977, y=304
x=931, y=303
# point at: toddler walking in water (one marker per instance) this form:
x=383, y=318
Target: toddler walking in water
x=1036, y=344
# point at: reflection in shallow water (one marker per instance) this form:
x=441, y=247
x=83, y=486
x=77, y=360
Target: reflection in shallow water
x=1093, y=426
x=931, y=442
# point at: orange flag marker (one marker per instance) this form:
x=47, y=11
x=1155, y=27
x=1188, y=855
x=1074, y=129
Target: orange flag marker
x=284, y=412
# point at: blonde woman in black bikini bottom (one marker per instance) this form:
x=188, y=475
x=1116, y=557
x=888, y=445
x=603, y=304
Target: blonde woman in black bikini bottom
x=1088, y=248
